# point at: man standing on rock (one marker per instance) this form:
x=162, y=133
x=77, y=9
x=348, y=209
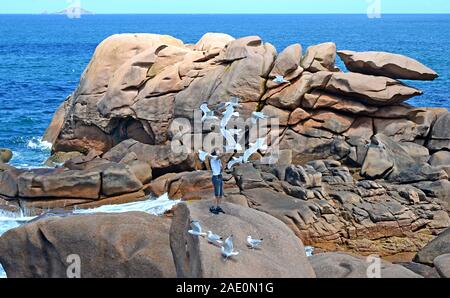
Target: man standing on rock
x=217, y=180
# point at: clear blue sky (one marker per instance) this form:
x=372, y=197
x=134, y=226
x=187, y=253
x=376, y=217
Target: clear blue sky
x=228, y=6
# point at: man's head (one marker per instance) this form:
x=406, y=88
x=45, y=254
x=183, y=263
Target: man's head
x=215, y=152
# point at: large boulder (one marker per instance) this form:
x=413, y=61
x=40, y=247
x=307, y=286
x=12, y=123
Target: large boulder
x=287, y=64
x=442, y=264
x=5, y=155
x=387, y=64
x=213, y=41
x=108, y=246
x=440, y=133
x=321, y=57
x=340, y=265
x=85, y=127
x=9, y=182
x=281, y=255
x=390, y=160
x=60, y=183
x=372, y=90
x=439, y=246
x=161, y=158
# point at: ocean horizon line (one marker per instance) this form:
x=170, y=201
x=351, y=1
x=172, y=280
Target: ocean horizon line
x=219, y=13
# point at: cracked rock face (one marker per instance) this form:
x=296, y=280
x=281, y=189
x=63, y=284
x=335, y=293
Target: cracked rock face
x=361, y=171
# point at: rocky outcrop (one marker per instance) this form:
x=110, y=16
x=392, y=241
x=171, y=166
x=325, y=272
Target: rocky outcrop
x=5, y=155
x=387, y=64
x=282, y=256
x=437, y=247
x=77, y=184
x=442, y=264
x=338, y=265
x=115, y=246
x=361, y=170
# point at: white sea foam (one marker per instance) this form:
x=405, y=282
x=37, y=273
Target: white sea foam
x=158, y=206
x=152, y=206
x=38, y=144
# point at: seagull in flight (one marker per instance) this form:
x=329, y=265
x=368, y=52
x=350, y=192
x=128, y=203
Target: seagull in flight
x=253, y=243
x=258, y=116
x=234, y=162
x=196, y=229
x=202, y=155
x=280, y=80
x=229, y=112
x=213, y=238
x=207, y=113
x=228, y=248
x=231, y=142
x=233, y=102
x=260, y=144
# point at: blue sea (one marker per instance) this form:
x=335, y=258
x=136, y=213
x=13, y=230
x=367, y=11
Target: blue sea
x=43, y=56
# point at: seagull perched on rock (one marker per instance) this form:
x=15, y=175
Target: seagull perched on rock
x=229, y=112
x=253, y=243
x=196, y=229
x=207, y=113
x=228, y=248
x=234, y=162
x=258, y=145
x=280, y=80
x=258, y=116
x=213, y=238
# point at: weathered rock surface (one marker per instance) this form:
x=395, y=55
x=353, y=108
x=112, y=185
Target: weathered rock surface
x=5, y=155
x=195, y=257
x=109, y=245
x=442, y=264
x=361, y=170
x=387, y=64
x=439, y=246
x=339, y=265
x=373, y=90
x=421, y=269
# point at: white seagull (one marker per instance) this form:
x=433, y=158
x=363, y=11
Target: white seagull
x=258, y=116
x=228, y=248
x=207, y=113
x=233, y=102
x=231, y=142
x=234, y=162
x=229, y=112
x=258, y=145
x=280, y=80
x=202, y=155
x=253, y=243
x=213, y=238
x=196, y=229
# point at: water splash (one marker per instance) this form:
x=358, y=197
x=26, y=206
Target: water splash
x=38, y=144
x=152, y=206
x=158, y=206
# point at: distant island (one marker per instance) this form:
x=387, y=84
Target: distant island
x=69, y=10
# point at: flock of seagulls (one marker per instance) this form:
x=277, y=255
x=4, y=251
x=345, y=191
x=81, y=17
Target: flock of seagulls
x=230, y=134
x=227, y=246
